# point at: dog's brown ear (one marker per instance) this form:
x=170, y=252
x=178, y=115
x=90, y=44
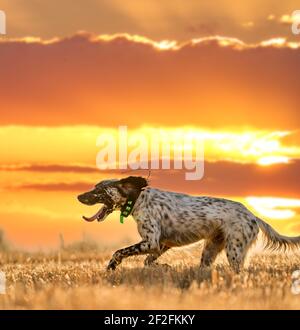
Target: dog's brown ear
x=132, y=184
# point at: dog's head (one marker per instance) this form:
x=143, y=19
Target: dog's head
x=113, y=194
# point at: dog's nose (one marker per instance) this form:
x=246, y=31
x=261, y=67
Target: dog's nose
x=81, y=198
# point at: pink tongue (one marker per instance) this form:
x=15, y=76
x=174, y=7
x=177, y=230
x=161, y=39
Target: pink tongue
x=94, y=217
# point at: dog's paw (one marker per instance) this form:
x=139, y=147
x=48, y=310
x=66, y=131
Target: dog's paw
x=150, y=261
x=204, y=274
x=112, y=265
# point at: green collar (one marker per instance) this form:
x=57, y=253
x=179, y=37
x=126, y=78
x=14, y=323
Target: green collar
x=126, y=210
x=128, y=206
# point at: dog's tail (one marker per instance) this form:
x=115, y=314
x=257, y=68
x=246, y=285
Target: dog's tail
x=274, y=240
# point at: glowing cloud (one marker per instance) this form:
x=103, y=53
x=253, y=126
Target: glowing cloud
x=251, y=146
x=165, y=44
x=274, y=208
x=270, y=160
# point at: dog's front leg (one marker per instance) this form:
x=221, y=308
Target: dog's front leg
x=149, y=229
x=151, y=258
x=143, y=247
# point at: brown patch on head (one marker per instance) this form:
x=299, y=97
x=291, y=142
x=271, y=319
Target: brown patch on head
x=131, y=186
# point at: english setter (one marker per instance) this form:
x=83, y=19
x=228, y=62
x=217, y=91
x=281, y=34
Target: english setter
x=168, y=219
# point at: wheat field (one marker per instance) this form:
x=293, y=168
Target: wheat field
x=75, y=278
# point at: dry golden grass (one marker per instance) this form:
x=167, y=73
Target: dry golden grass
x=78, y=280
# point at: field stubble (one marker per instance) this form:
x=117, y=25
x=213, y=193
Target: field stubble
x=78, y=280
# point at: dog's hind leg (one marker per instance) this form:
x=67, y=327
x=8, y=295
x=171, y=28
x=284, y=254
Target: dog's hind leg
x=212, y=248
x=151, y=258
x=238, y=243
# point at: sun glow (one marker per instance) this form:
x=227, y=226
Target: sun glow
x=274, y=208
x=271, y=160
x=251, y=146
x=34, y=149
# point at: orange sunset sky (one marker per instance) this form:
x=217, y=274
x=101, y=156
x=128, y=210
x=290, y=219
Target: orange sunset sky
x=70, y=70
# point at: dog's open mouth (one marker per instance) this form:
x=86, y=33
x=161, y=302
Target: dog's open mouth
x=100, y=215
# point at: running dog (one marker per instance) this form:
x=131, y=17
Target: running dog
x=168, y=219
